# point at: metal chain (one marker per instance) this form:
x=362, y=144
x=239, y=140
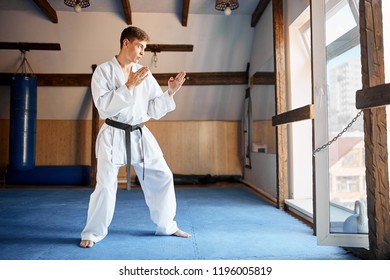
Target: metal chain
x=25, y=66
x=338, y=135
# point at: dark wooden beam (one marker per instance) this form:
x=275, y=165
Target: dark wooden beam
x=47, y=9
x=373, y=97
x=186, y=9
x=53, y=80
x=264, y=78
x=67, y=80
x=168, y=48
x=127, y=11
x=375, y=131
x=6, y=79
x=299, y=114
x=84, y=80
x=280, y=103
x=30, y=46
x=207, y=78
x=258, y=12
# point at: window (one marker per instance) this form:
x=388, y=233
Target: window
x=344, y=79
x=340, y=167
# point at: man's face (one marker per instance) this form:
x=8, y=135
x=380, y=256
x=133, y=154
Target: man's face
x=134, y=50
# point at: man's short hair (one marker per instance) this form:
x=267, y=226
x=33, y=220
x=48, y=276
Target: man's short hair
x=130, y=33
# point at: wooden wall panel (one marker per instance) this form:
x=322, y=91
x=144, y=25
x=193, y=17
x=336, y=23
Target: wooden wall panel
x=199, y=147
x=63, y=142
x=264, y=132
x=190, y=147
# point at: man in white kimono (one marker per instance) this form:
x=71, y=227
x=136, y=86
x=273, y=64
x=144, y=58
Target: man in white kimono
x=127, y=95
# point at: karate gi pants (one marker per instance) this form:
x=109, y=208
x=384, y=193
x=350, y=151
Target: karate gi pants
x=158, y=189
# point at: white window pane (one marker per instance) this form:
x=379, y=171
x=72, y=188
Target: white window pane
x=347, y=189
x=339, y=21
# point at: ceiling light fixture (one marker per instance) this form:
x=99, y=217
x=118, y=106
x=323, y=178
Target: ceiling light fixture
x=77, y=4
x=226, y=6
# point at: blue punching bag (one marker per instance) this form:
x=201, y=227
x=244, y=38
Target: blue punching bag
x=23, y=113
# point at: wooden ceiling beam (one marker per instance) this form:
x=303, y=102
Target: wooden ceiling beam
x=168, y=48
x=84, y=80
x=47, y=9
x=264, y=78
x=299, y=114
x=194, y=79
x=127, y=11
x=53, y=80
x=375, y=130
x=373, y=97
x=24, y=46
x=259, y=11
x=186, y=9
x=206, y=78
x=282, y=162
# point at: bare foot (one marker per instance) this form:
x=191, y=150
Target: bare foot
x=86, y=243
x=180, y=233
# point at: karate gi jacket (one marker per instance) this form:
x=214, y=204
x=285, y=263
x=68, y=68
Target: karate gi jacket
x=114, y=100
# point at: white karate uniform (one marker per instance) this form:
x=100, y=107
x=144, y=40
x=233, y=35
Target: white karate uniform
x=135, y=106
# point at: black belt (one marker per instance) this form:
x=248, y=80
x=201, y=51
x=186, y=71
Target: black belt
x=128, y=129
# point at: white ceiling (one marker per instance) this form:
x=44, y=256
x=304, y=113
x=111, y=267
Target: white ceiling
x=137, y=6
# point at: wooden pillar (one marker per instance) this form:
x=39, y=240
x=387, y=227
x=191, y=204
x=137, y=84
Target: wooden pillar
x=375, y=130
x=95, y=131
x=280, y=102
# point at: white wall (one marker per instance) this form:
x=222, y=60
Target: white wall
x=299, y=87
x=220, y=44
x=263, y=172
